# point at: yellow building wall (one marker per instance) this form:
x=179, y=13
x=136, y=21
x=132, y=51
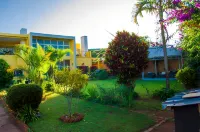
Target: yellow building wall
x=85, y=60
x=13, y=61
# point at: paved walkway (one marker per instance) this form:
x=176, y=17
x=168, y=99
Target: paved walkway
x=6, y=124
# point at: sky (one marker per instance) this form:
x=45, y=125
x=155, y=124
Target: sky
x=93, y=18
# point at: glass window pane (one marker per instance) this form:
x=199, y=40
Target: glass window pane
x=53, y=42
x=47, y=41
x=34, y=45
x=66, y=43
x=40, y=41
x=34, y=41
x=68, y=54
x=55, y=46
x=43, y=46
x=60, y=46
x=60, y=42
x=66, y=46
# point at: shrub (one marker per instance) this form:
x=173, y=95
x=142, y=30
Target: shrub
x=186, y=76
x=48, y=86
x=6, y=75
x=99, y=74
x=163, y=93
x=24, y=94
x=84, y=69
x=102, y=75
x=93, y=68
x=92, y=92
x=126, y=57
x=27, y=114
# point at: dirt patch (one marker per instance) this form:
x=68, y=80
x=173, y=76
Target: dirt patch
x=168, y=126
x=76, y=117
x=164, y=120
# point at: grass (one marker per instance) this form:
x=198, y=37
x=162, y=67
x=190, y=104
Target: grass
x=98, y=118
x=141, y=85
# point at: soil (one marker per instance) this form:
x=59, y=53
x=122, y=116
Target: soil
x=164, y=121
x=76, y=117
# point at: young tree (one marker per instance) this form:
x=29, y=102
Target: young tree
x=73, y=81
x=127, y=56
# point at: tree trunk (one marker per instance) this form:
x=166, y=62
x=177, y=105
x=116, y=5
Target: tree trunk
x=164, y=43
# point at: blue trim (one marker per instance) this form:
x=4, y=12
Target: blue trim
x=52, y=36
x=177, y=100
x=150, y=79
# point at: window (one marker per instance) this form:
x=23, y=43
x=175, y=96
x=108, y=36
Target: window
x=66, y=47
x=47, y=41
x=60, y=42
x=63, y=64
x=34, y=45
x=40, y=41
x=53, y=42
x=34, y=41
x=60, y=46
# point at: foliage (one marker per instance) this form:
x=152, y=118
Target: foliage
x=24, y=94
x=27, y=114
x=38, y=60
x=193, y=57
x=183, y=10
x=93, y=68
x=98, y=53
x=117, y=95
x=49, y=87
x=92, y=93
x=186, y=76
x=163, y=93
x=6, y=74
x=73, y=81
x=84, y=69
x=127, y=56
x=99, y=74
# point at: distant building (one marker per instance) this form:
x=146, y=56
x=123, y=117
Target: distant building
x=9, y=41
x=156, y=66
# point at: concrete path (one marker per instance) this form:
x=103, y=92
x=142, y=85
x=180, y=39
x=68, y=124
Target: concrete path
x=6, y=124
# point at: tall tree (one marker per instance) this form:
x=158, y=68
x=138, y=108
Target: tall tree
x=157, y=7
x=126, y=57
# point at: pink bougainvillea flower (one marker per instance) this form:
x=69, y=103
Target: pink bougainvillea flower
x=197, y=5
x=175, y=2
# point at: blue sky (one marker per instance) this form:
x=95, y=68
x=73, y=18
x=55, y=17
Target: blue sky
x=92, y=18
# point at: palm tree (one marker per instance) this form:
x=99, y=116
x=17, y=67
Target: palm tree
x=157, y=7
x=38, y=61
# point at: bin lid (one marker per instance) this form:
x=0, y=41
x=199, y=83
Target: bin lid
x=188, y=97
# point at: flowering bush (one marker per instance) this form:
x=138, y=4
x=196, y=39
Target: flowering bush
x=183, y=10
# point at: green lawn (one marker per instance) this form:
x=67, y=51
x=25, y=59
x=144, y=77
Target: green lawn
x=98, y=118
x=141, y=85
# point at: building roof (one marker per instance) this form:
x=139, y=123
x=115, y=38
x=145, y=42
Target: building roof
x=179, y=100
x=157, y=52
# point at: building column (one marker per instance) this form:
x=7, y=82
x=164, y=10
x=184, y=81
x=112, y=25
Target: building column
x=75, y=63
x=179, y=63
x=155, y=67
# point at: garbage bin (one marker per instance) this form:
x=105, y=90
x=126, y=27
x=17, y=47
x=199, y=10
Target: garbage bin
x=186, y=107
